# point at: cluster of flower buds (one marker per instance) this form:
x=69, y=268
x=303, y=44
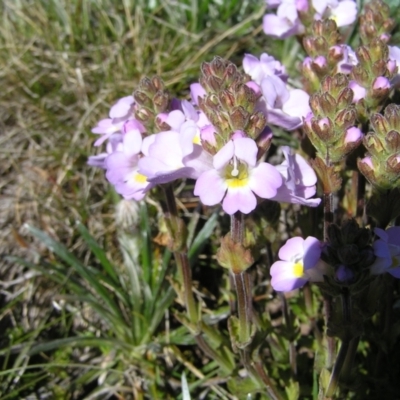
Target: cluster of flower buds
x=375, y=22
x=331, y=128
x=229, y=103
x=326, y=56
x=371, y=77
x=381, y=166
x=151, y=99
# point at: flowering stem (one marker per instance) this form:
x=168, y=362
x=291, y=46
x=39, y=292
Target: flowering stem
x=292, y=347
x=181, y=255
x=334, y=380
x=242, y=285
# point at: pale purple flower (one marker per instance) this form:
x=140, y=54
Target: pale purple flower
x=122, y=168
x=123, y=108
x=300, y=262
x=120, y=113
x=349, y=60
x=99, y=160
x=267, y=65
x=387, y=252
x=285, y=23
x=196, y=91
x=394, y=54
x=173, y=155
x=299, y=180
x=285, y=108
x=236, y=178
x=342, y=12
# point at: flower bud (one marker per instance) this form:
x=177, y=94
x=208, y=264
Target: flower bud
x=393, y=142
x=239, y=118
x=345, y=118
x=379, y=124
x=373, y=144
x=393, y=166
x=392, y=114
x=367, y=168
x=226, y=99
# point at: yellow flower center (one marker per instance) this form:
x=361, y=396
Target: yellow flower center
x=140, y=178
x=298, y=269
x=236, y=174
x=196, y=139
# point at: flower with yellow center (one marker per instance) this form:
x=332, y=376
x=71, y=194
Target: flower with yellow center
x=237, y=178
x=300, y=262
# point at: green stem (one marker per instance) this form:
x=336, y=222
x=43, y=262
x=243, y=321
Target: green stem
x=292, y=347
x=242, y=284
x=245, y=309
x=186, y=273
x=334, y=380
x=212, y=354
x=272, y=392
x=181, y=257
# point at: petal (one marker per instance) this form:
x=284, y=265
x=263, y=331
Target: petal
x=246, y=150
x=239, y=199
x=311, y=252
x=265, y=180
x=292, y=249
x=393, y=234
x=224, y=155
x=283, y=279
x=297, y=105
x=210, y=187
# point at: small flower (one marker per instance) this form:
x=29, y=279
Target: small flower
x=258, y=69
x=122, y=168
x=283, y=107
x=172, y=155
x=120, y=113
x=237, y=178
x=300, y=263
x=342, y=12
x=299, y=180
x=387, y=252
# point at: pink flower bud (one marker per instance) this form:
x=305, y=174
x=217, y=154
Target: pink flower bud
x=368, y=162
x=320, y=61
x=359, y=91
x=353, y=135
x=381, y=83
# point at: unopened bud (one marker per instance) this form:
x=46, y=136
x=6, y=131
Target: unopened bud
x=393, y=142
x=239, y=118
x=392, y=114
x=379, y=124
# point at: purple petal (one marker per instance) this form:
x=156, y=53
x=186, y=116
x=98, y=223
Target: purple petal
x=239, y=199
x=210, y=187
x=312, y=252
x=265, y=180
x=292, y=249
x=246, y=150
x=223, y=157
